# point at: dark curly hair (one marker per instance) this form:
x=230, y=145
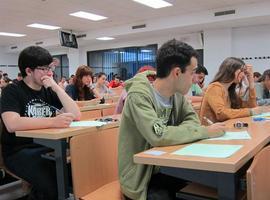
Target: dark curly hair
x=173, y=54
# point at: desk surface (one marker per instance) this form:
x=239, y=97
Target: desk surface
x=94, y=102
x=260, y=136
x=60, y=133
x=97, y=107
x=114, y=97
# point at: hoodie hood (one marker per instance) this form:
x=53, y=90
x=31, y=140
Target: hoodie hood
x=139, y=83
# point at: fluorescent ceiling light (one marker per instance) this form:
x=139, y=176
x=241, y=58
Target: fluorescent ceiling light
x=43, y=26
x=87, y=15
x=154, y=3
x=105, y=38
x=12, y=34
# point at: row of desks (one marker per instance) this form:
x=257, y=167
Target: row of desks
x=56, y=139
x=220, y=173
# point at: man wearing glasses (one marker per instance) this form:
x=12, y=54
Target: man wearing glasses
x=32, y=104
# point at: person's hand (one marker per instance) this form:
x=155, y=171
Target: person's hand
x=49, y=82
x=63, y=120
x=216, y=130
x=249, y=73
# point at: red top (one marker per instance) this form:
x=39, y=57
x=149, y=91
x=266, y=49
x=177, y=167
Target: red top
x=113, y=84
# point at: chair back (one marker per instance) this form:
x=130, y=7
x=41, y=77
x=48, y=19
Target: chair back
x=258, y=176
x=93, y=160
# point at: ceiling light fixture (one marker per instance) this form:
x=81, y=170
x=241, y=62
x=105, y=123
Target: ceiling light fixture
x=154, y=3
x=87, y=15
x=43, y=26
x=12, y=34
x=105, y=38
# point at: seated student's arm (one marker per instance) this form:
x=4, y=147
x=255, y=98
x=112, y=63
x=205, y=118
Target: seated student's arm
x=251, y=102
x=11, y=108
x=120, y=103
x=216, y=100
x=109, y=91
x=14, y=122
x=97, y=95
x=263, y=102
x=69, y=106
x=140, y=111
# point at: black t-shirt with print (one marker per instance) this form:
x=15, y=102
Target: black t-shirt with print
x=27, y=102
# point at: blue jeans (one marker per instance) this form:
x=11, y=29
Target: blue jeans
x=39, y=172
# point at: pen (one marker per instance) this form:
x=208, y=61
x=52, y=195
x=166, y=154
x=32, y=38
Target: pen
x=57, y=110
x=208, y=120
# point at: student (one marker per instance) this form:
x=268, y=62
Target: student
x=221, y=102
x=5, y=75
x=32, y=104
x=70, y=80
x=200, y=74
x=263, y=88
x=159, y=115
x=4, y=82
x=18, y=78
x=80, y=89
x=100, y=86
x=196, y=91
x=63, y=82
x=115, y=82
x=151, y=77
x=257, y=76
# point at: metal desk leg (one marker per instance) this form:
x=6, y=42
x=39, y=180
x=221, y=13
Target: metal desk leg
x=226, y=183
x=227, y=186
x=59, y=147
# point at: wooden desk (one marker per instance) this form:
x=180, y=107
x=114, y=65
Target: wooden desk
x=220, y=173
x=57, y=140
x=92, y=102
x=108, y=99
x=97, y=107
x=95, y=111
x=111, y=98
x=60, y=133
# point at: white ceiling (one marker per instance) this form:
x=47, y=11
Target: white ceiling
x=16, y=14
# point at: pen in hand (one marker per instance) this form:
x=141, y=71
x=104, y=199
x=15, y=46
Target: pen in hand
x=208, y=120
x=57, y=110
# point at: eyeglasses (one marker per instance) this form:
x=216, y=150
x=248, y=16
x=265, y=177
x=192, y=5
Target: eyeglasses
x=46, y=69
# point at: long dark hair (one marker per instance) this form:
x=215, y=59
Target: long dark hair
x=266, y=73
x=226, y=74
x=83, y=90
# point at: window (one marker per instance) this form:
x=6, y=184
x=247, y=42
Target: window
x=122, y=61
x=63, y=68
